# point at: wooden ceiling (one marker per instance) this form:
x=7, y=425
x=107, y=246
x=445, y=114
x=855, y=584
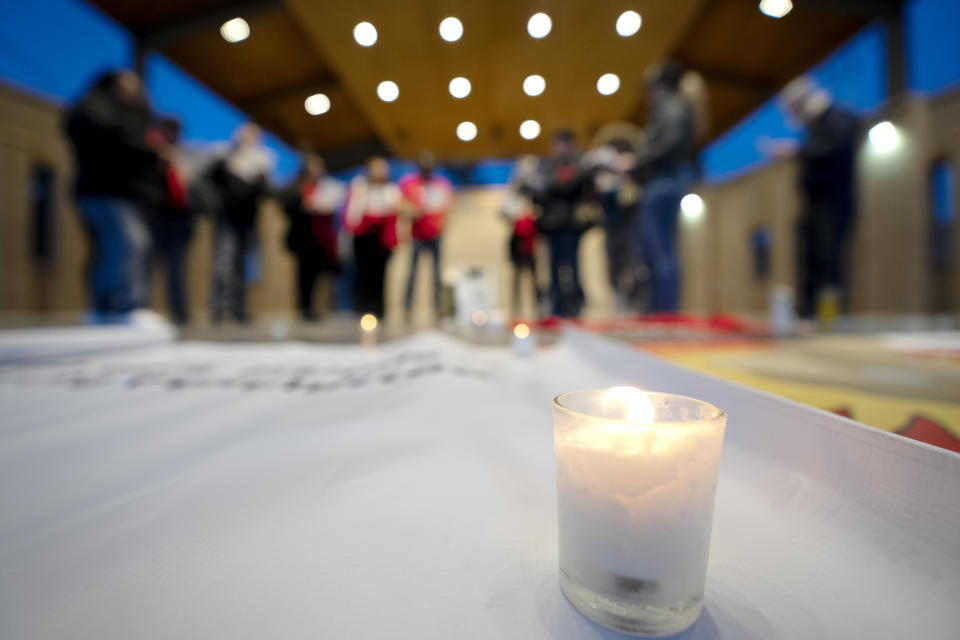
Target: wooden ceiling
x=300, y=47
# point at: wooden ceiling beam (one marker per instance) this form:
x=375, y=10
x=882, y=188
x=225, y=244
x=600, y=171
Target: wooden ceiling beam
x=758, y=89
x=326, y=81
x=320, y=83
x=202, y=22
x=862, y=8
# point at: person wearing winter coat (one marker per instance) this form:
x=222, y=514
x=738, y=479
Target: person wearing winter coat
x=118, y=181
x=429, y=197
x=312, y=202
x=370, y=217
x=241, y=180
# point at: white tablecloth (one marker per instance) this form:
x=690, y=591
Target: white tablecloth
x=192, y=490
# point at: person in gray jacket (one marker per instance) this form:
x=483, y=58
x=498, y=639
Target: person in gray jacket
x=665, y=166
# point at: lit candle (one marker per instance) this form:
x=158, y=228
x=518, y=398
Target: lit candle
x=636, y=477
x=523, y=340
x=368, y=329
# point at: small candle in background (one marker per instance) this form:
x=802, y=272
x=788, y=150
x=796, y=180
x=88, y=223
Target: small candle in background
x=636, y=477
x=368, y=329
x=479, y=318
x=523, y=340
x=783, y=319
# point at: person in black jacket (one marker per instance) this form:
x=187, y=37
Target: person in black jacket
x=118, y=180
x=240, y=178
x=560, y=190
x=665, y=167
x=612, y=164
x=826, y=178
x=311, y=203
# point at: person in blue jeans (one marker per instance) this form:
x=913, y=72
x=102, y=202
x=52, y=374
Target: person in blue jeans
x=119, y=178
x=656, y=236
x=121, y=251
x=665, y=162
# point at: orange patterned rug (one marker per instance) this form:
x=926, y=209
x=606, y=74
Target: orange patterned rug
x=915, y=393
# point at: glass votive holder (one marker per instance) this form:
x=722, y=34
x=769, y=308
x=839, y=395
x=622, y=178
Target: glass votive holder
x=636, y=479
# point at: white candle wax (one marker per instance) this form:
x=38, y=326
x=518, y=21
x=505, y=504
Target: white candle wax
x=636, y=501
x=635, y=497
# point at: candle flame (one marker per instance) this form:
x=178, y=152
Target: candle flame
x=368, y=322
x=637, y=404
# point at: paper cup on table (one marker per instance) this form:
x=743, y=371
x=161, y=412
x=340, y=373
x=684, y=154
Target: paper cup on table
x=636, y=478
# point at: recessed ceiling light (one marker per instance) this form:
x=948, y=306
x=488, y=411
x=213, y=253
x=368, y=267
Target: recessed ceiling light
x=459, y=87
x=235, y=30
x=534, y=85
x=539, y=25
x=451, y=29
x=317, y=104
x=608, y=84
x=884, y=136
x=365, y=34
x=466, y=131
x=628, y=23
x=692, y=207
x=529, y=129
x=388, y=91
x=776, y=8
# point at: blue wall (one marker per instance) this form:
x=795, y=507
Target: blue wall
x=58, y=47
x=933, y=37
x=856, y=75
x=206, y=117
x=493, y=171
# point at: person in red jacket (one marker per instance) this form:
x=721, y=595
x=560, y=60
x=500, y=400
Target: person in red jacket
x=428, y=196
x=518, y=209
x=370, y=217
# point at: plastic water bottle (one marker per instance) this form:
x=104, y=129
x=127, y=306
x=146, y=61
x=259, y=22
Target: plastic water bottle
x=783, y=320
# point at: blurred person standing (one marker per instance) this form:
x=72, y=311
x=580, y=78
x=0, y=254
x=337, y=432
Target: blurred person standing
x=172, y=222
x=518, y=209
x=311, y=203
x=666, y=168
x=370, y=217
x=429, y=197
x=612, y=164
x=241, y=180
x=826, y=158
x=118, y=181
x=561, y=189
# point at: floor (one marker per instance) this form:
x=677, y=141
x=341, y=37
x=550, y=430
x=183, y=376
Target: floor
x=906, y=382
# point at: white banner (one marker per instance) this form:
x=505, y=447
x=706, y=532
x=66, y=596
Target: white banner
x=196, y=490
